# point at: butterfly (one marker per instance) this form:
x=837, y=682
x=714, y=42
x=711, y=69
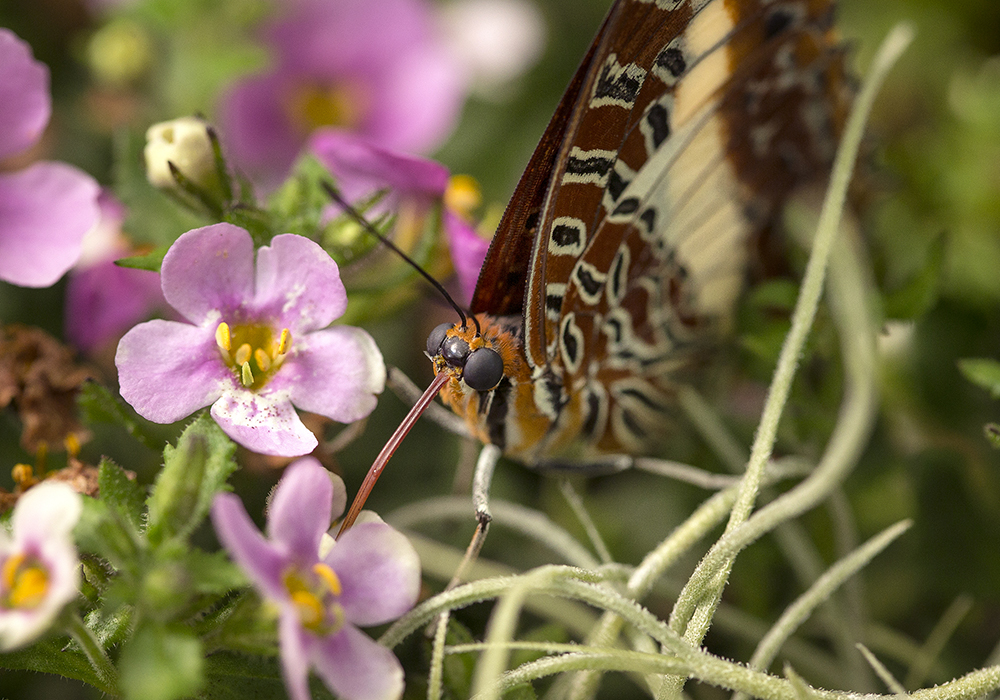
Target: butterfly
x=629, y=237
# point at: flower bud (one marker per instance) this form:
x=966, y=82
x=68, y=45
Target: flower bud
x=185, y=143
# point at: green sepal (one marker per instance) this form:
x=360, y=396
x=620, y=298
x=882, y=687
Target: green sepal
x=982, y=371
x=193, y=472
x=161, y=663
x=149, y=261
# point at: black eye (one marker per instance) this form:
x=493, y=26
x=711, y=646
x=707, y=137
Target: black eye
x=454, y=350
x=436, y=337
x=483, y=369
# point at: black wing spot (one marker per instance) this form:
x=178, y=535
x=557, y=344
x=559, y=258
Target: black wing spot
x=672, y=60
x=587, y=282
x=777, y=22
x=659, y=122
x=627, y=206
x=616, y=185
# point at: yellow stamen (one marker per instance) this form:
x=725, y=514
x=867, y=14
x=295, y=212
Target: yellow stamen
x=72, y=443
x=26, y=585
x=463, y=195
x=246, y=374
x=263, y=359
x=243, y=354
x=23, y=475
x=223, y=337
x=329, y=577
x=309, y=606
x=285, y=343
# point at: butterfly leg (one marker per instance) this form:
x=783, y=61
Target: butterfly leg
x=485, y=465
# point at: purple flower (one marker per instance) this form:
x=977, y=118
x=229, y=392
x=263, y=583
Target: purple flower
x=38, y=563
x=374, y=67
x=104, y=300
x=46, y=208
x=371, y=575
x=414, y=186
x=256, y=343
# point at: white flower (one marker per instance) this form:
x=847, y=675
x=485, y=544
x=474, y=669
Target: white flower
x=39, y=569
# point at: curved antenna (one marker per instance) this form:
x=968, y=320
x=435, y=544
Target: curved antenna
x=356, y=215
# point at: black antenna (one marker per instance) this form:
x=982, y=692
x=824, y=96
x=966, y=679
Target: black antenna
x=356, y=215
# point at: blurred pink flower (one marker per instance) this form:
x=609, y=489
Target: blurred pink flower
x=48, y=207
x=104, y=300
x=377, y=68
x=362, y=168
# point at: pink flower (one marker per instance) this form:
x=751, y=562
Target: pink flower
x=256, y=343
x=46, y=208
x=415, y=185
x=104, y=300
x=369, y=577
x=373, y=67
x=38, y=563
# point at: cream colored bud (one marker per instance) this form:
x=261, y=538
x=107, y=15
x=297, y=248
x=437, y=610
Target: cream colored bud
x=185, y=143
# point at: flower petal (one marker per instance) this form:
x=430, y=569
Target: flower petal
x=264, y=422
x=379, y=571
x=25, y=105
x=295, y=645
x=168, y=370
x=105, y=300
x=261, y=141
x=45, y=211
x=49, y=510
x=300, y=509
x=208, y=269
x=356, y=668
x=299, y=283
x=420, y=101
x=361, y=167
x=336, y=373
x=260, y=559
x=468, y=252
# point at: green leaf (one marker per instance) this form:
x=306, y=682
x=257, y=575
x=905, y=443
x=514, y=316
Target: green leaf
x=121, y=493
x=160, y=663
x=982, y=371
x=235, y=677
x=103, y=532
x=51, y=656
x=213, y=572
x=98, y=405
x=193, y=472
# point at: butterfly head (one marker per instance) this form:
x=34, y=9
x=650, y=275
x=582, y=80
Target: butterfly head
x=465, y=355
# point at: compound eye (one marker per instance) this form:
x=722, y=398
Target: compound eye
x=436, y=337
x=483, y=369
x=455, y=351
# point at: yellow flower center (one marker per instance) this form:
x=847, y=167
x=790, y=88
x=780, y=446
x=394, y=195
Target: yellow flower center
x=463, y=195
x=24, y=583
x=252, y=351
x=315, y=594
x=312, y=105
